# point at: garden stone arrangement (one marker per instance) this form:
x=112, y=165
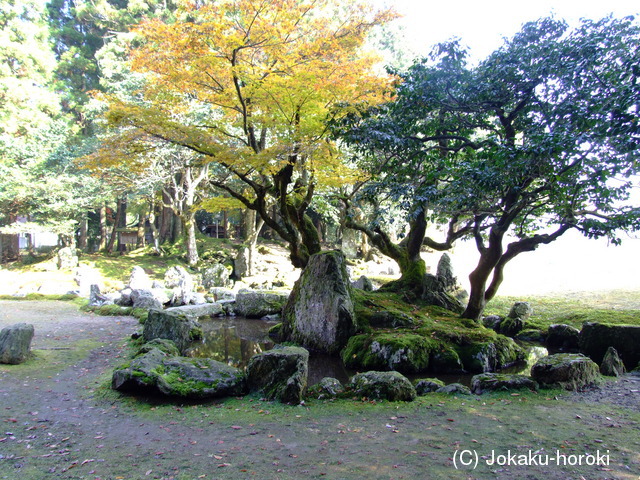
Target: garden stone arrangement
x=328, y=316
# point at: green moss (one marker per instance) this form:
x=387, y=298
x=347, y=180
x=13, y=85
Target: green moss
x=401, y=351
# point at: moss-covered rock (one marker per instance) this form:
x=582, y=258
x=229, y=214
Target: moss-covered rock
x=326, y=388
x=319, y=313
x=166, y=346
x=564, y=337
x=490, y=382
x=612, y=365
x=454, y=388
x=279, y=374
x=428, y=385
x=531, y=335
x=253, y=304
x=157, y=369
x=596, y=338
x=445, y=359
x=565, y=370
x=390, y=319
x=174, y=326
x=15, y=343
x=140, y=374
x=198, y=378
x=403, y=352
x=391, y=386
x=490, y=356
x=510, y=326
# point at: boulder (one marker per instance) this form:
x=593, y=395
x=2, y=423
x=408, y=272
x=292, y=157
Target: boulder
x=158, y=369
x=403, y=352
x=197, y=378
x=15, y=343
x=328, y=387
x=564, y=337
x=242, y=263
x=428, y=385
x=96, y=298
x=510, y=326
x=175, y=275
x=174, y=326
x=391, y=386
x=86, y=277
x=445, y=360
x=454, y=388
x=183, y=293
x=363, y=283
x=139, y=375
x=124, y=300
x=522, y=310
x=482, y=357
x=145, y=299
x=220, y=293
x=490, y=382
x=67, y=258
x=437, y=292
x=611, y=364
x=139, y=280
x=279, y=374
x=492, y=321
x=596, y=338
x=214, y=276
x=252, y=304
x=565, y=370
x=201, y=310
x=319, y=313
x=531, y=335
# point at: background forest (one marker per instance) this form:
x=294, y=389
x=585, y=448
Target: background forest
x=126, y=124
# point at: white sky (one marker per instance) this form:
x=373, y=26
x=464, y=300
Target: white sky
x=572, y=263
x=482, y=24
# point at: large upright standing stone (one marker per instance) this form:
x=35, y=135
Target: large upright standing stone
x=15, y=342
x=319, y=313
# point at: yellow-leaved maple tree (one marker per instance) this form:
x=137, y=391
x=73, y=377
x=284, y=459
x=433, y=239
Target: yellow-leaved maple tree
x=251, y=85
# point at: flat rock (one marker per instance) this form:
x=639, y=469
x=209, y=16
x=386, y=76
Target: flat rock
x=391, y=386
x=490, y=382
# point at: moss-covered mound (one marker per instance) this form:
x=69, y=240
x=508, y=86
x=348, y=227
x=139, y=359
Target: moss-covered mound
x=402, y=351
x=434, y=339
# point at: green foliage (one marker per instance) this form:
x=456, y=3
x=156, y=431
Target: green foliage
x=541, y=137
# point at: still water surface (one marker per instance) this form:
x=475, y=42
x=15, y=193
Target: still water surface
x=234, y=340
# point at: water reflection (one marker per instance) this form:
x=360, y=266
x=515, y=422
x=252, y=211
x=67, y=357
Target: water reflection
x=235, y=340
x=231, y=340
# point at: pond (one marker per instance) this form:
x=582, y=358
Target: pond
x=234, y=340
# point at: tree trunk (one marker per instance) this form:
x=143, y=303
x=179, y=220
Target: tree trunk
x=489, y=257
x=84, y=229
x=189, y=229
x=142, y=224
x=154, y=229
x=103, y=228
x=122, y=224
x=114, y=230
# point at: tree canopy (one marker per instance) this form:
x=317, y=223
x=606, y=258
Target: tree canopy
x=539, y=138
x=250, y=87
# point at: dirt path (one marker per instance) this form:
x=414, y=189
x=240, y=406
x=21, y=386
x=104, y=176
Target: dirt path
x=59, y=420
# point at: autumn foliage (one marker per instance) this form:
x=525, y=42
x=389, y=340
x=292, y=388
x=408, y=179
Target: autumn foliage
x=251, y=85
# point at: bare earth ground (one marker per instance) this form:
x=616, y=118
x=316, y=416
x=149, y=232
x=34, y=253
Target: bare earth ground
x=59, y=420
